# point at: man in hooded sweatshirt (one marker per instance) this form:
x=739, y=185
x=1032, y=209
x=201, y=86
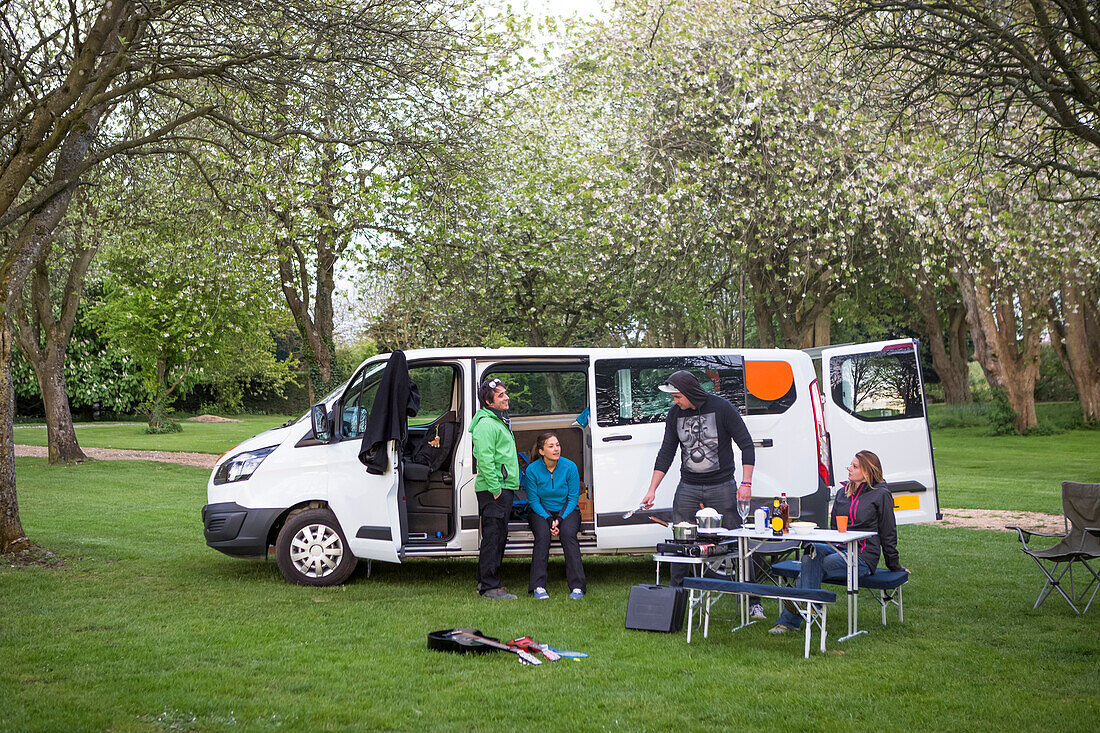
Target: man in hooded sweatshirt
x=497, y=480
x=704, y=427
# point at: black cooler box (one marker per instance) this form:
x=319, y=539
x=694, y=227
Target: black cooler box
x=655, y=608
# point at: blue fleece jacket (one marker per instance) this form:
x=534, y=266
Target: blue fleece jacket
x=553, y=492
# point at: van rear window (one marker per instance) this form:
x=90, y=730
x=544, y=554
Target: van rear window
x=627, y=394
x=770, y=386
x=879, y=386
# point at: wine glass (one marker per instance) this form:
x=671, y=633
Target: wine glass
x=743, y=509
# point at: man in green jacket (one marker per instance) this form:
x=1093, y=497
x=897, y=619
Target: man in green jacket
x=497, y=481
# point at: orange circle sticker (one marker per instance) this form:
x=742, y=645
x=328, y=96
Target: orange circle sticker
x=768, y=380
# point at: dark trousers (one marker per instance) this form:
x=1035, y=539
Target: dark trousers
x=568, y=528
x=494, y=536
x=723, y=499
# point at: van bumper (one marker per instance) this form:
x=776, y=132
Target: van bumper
x=237, y=531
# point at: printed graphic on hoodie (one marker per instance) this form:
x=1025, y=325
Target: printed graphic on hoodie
x=698, y=443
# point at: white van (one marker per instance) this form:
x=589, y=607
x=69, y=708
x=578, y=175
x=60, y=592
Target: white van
x=302, y=489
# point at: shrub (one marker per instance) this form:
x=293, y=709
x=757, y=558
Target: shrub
x=164, y=426
x=957, y=416
x=999, y=414
x=1045, y=428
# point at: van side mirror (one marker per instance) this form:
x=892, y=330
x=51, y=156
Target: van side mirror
x=318, y=415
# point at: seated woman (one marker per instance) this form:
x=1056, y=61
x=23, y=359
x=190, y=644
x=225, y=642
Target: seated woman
x=553, y=490
x=868, y=505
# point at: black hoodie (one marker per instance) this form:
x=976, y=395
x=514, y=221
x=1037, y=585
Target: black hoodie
x=396, y=401
x=705, y=435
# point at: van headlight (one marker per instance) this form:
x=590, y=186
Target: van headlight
x=241, y=466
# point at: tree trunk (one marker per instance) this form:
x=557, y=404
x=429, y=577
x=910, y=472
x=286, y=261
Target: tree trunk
x=48, y=358
x=949, y=352
x=1076, y=339
x=60, y=433
x=11, y=529
x=1007, y=347
x=764, y=329
x=20, y=258
x=956, y=374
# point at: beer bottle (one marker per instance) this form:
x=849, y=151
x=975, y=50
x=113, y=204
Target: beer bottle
x=785, y=512
x=777, y=520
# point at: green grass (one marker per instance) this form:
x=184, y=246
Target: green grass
x=145, y=628
x=197, y=437
x=977, y=471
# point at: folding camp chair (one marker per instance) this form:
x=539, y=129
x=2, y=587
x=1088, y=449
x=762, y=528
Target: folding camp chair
x=1081, y=507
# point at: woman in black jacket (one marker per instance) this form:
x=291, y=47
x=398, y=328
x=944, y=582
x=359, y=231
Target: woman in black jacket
x=869, y=505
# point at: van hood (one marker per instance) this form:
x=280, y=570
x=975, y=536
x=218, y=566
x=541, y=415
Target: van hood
x=275, y=436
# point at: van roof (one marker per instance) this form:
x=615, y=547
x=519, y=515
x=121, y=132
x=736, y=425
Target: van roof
x=467, y=352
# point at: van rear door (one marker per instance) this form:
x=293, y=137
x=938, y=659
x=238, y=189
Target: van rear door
x=874, y=400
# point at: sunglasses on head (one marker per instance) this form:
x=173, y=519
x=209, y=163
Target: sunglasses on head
x=494, y=383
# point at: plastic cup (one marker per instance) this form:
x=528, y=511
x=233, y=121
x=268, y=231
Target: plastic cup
x=841, y=523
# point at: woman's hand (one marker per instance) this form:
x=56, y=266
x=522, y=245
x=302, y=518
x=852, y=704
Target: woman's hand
x=554, y=527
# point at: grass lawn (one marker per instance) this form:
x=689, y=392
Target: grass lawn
x=197, y=437
x=977, y=471
x=145, y=628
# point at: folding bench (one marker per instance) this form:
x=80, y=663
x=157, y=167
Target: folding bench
x=887, y=583
x=812, y=605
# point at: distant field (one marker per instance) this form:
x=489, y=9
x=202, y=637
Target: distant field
x=196, y=437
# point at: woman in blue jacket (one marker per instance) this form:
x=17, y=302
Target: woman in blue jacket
x=553, y=491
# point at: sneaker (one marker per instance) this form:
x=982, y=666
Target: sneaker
x=498, y=593
x=780, y=629
x=756, y=612
x=577, y=593
x=541, y=594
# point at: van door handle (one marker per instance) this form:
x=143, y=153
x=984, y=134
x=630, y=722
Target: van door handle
x=611, y=438
x=765, y=443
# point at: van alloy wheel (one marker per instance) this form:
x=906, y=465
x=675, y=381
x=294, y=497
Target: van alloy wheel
x=312, y=550
x=316, y=550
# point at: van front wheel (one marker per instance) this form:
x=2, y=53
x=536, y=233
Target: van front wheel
x=312, y=550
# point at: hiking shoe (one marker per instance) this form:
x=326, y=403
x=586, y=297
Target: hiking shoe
x=576, y=594
x=541, y=594
x=498, y=594
x=756, y=612
x=780, y=629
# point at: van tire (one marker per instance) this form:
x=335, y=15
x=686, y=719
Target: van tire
x=312, y=550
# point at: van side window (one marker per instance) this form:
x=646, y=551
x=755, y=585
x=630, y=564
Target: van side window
x=770, y=385
x=544, y=392
x=358, y=399
x=627, y=394
x=436, y=383
x=875, y=387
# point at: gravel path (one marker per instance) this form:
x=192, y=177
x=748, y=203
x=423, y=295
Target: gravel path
x=972, y=518
x=201, y=460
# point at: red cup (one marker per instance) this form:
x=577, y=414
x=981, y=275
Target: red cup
x=841, y=523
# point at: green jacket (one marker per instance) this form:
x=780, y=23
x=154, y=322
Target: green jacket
x=495, y=453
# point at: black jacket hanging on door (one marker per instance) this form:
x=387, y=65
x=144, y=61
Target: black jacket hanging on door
x=396, y=401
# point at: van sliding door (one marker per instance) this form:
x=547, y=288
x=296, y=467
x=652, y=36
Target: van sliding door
x=627, y=430
x=874, y=400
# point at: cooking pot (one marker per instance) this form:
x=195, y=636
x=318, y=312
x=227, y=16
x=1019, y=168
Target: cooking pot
x=684, y=531
x=708, y=519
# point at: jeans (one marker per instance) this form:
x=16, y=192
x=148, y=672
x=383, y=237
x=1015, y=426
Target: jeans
x=494, y=536
x=823, y=561
x=568, y=528
x=723, y=499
